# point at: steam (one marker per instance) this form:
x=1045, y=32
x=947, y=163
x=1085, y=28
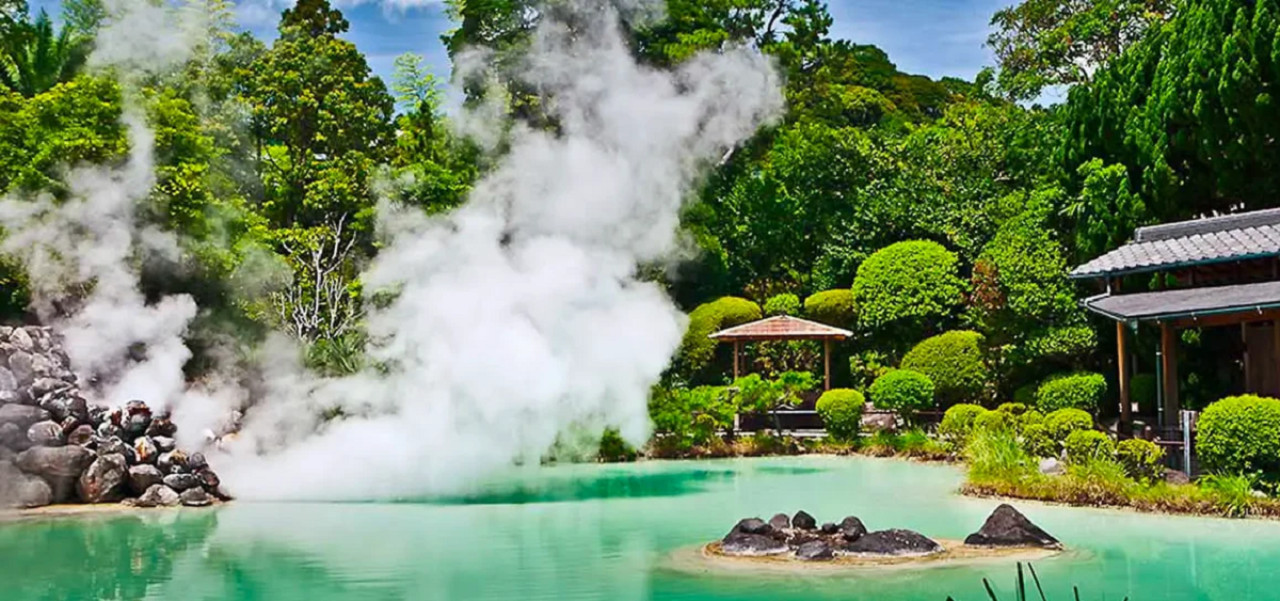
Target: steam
x=518, y=316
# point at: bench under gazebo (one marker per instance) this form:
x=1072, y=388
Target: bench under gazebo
x=782, y=328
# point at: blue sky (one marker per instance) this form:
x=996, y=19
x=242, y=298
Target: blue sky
x=929, y=37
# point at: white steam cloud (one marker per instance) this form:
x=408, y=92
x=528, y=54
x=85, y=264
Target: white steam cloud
x=519, y=315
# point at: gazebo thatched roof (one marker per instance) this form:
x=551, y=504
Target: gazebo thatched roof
x=781, y=327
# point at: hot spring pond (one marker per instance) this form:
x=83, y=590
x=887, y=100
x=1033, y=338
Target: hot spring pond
x=606, y=533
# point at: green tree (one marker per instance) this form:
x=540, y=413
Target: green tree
x=907, y=289
x=439, y=166
x=1040, y=43
x=35, y=56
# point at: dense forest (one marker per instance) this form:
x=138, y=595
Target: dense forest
x=898, y=206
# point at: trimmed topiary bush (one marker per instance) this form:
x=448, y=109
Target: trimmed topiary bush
x=1084, y=446
x=1037, y=442
x=1240, y=435
x=954, y=362
x=1061, y=423
x=907, y=284
x=1142, y=390
x=696, y=350
x=957, y=424
x=832, y=307
x=996, y=421
x=902, y=391
x=1012, y=408
x=1142, y=459
x=1080, y=390
x=841, y=413
x=782, y=304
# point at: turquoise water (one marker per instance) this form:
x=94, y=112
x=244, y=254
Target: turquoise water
x=605, y=533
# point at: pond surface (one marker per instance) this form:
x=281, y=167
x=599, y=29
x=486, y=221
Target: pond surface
x=605, y=533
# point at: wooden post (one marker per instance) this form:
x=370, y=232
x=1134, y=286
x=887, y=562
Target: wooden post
x=1169, y=371
x=1122, y=360
x=1275, y=356
x=826, y=364
x=737, y=352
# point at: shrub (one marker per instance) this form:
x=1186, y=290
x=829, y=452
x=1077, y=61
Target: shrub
x=1031, y=417
x=841, y=413
x=1061, y=423
x=993, y=421
x=614, y=448
x=866, y=366
x=696, y=350
x=955, y=364
x=1026, y=394
x=691, y=417
x=1081, y=390
x=1240, y=435
x=1037, y=442
x=833, y=307
x=1142, y=390
x=1084, y=446
x=1012, y=408
x=957, y=424
x=907, y=284
x=995, y=455
x=902, y=391
x=1142, y=459
x=782, y=304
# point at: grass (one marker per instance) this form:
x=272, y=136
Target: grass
x=999, y=467
x=1021, y=589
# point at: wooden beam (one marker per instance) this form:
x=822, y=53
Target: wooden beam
x=1227, y=319
x=1275, y=358
x=1169, y=371
x=826, y=364
x=737, y=353
x=1122, y=361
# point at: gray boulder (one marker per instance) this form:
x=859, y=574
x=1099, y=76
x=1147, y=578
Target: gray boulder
x=43, y=386
x=829, y=528
x=181, y=482
x=159, y=495
x=1052, y=467
x=815, y=550
x=851, y=529
x=21, y=339
x=164, y=444
x=59, y=466
x=13, y=437
x=22, y=416
x=894, y=542
x=45, y=434
x=209, y=480
x=145, y=450
x=753, y=526
x=743, y=543
x=82, y=435
x=197, y=497
x=142, y=477
x=102, y=481
x=22, y=367
x=21, y=490
x=804, y=521
x=780, y=522
x=7, y=381
x=1007, y=527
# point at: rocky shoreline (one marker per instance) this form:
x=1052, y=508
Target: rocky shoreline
x=57, y=448
x=799, y=538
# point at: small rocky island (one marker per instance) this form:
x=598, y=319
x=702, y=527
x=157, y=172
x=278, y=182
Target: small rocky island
x=56, y=447
x=799, y=539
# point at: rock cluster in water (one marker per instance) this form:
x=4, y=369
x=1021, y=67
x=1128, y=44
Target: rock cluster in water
x=802, y=537
x=55, y=447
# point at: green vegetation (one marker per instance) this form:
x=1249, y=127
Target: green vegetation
x=1083, y=391
x=782, y=304
x=958, y=423
x=1142, y=459
x=904, y=392
x=907, y=287
x=1088, y=446
x=841, y=413
x=954, y=361
x=832, y=307
x=1240, y=435
x=697, y=352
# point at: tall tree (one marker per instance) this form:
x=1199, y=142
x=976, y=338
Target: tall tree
x=35, y=56
x=1041, y=43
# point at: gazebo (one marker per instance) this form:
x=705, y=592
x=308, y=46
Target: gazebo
x=782, y=328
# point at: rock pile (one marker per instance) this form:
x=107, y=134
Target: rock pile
x=804, y=540
x=55, y=447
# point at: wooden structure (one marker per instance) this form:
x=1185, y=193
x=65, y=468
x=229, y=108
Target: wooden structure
x=782, y=328
x=1217, y=271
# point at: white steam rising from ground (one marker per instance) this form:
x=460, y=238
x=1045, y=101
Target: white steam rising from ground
x=519, y=315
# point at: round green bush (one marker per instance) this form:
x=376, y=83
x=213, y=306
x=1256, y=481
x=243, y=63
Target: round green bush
x=696, y=350
x=1031, y=417
x=1012, y=408
x=955, y=362
x=841, y=413
x=909, y=283
x=1142, y=459
x=832, y=307
x=1080, y=390
x=1142, y=390
x=902, y=391
x=1240, y=435
x=957, y=423
x=996, y=421
x=1061, y=423
x=1037, y=442
x=1084, y=446
x=1026, y=394
x=782, y=304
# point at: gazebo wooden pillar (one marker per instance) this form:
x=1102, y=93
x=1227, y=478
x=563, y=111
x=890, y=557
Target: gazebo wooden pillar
x=1122, y=361
x=782, y=328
